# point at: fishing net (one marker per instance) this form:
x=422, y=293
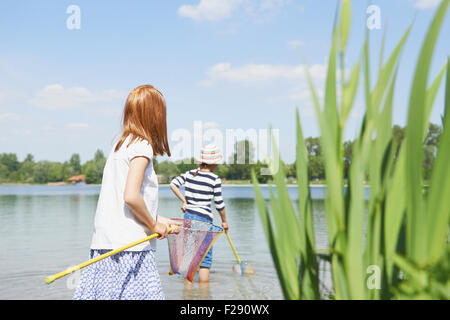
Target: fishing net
x=188, y=248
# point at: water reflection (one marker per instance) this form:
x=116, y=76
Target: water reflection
x=45, y=229
x=196, y=291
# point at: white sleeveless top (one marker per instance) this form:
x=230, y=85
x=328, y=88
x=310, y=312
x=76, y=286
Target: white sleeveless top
x=115, y=224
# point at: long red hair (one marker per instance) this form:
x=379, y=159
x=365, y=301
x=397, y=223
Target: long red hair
x=144, y=117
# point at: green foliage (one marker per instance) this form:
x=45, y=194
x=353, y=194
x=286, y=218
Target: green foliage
x=4, y=173
x=166, y=171
x=75, y=164
x=348, y=150
x=41, y=172
x=264, y=178
x=222, y=170
x=55, y=172
x=316, y=168
x=186, y=165
x=93, y=169
x=238, y=167
x=8, y=167
x=26, y=171
x=241, y=160
x=400, y=229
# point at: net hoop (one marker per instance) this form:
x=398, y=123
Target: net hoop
x=193, y=241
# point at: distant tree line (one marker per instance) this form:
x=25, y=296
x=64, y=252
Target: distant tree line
x=42, y=172
x=316, y=167
x=237, y=167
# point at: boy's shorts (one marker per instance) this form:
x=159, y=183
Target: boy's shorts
x=207, y=261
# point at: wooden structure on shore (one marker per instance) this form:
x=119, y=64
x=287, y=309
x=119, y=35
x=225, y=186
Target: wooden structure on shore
x=81, y=178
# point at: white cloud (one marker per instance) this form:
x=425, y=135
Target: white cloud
x=272, y=5
x=263, y=10
x=303, y=93
x=9, y=116
x=296, y=43
x=77, y=125
x=217, y=10
x=289, y=81
x=48, y=127
x=209, y=10
x=259, y=73
x=11, y=97
x=302, y=97
x=56, y=97
x=426, y=4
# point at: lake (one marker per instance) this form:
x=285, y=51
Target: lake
x=45, y=229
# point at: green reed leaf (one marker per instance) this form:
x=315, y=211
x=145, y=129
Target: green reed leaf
x=432, y=93
x=438, y=202
x=344, y=24
x=414, y=136
x=349, y=93
x=308, y=266
x=274, y=245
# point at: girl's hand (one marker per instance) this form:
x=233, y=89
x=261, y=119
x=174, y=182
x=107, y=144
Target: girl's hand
x=171, y=223
x=161, y=228
x=183, y=206
x=225, y=226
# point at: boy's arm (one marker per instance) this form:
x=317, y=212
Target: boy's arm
x=220, y=204
x=223, y=216
x=178, y=193
x=175, y=187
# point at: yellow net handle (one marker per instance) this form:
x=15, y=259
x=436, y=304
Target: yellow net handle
x=61, y=274
x=234, y=249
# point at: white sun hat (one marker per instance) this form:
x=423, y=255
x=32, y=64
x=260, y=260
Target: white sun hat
x=210, y=154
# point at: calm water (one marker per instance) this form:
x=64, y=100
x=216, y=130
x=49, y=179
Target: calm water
x=45, y=229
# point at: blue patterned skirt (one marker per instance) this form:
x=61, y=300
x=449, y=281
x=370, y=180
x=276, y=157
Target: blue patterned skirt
x=127, y=275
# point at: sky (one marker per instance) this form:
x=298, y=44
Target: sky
x=222, y=64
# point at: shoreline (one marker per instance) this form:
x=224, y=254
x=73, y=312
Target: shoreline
x=161, y=184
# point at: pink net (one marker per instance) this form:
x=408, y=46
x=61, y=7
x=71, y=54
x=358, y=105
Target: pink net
x=188, y=248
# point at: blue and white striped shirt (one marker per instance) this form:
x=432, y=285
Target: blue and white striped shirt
x=199, y=190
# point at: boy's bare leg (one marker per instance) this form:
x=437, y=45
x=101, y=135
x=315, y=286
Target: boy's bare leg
x=204, y=292
x=203, y=274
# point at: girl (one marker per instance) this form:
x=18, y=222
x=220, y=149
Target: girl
x=201, y=186
x=128, y=204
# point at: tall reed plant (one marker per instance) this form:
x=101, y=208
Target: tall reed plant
x=395, y=245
